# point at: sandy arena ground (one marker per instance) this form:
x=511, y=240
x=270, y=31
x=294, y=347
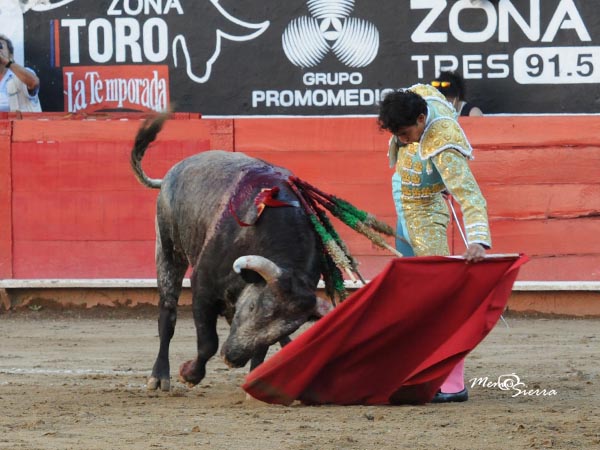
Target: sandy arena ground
x=75, y=379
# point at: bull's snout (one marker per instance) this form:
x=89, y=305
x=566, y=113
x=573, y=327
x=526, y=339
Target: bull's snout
x=235, y=358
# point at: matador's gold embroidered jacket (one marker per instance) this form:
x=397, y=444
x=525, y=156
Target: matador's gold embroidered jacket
x=425, y=169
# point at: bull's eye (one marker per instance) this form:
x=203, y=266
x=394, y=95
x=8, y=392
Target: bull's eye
x=252, y=306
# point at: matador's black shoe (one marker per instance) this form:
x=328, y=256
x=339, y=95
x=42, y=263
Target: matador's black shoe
x=441, y=397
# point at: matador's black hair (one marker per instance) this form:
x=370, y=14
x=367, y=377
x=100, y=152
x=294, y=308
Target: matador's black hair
x=400, y=109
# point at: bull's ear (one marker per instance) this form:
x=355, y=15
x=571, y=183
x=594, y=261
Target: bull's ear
x=251, y=277
x=322, y=307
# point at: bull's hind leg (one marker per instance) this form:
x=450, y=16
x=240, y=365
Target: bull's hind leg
x=171, y=268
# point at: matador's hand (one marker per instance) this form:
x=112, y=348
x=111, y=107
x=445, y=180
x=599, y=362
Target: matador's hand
x=474, y=253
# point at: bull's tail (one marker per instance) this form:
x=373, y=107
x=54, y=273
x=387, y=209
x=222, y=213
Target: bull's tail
x=145, y=136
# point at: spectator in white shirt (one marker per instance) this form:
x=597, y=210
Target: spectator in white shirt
x=19, y=85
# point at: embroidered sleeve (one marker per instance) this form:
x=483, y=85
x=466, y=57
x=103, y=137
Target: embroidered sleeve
x=458, y=178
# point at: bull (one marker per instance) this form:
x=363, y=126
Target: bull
x=261, y=278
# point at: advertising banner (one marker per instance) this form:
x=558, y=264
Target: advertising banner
x=305, y=57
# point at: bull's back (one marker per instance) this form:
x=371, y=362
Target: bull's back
x=208, y=176
x=199, y=193
x=205, y=169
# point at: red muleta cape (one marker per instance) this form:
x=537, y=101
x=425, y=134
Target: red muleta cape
x=395, y=340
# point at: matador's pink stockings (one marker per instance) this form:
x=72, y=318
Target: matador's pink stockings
x=456, y=380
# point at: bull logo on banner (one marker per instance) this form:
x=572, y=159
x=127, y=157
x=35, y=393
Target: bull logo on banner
x=306, y=40
x=240, y=31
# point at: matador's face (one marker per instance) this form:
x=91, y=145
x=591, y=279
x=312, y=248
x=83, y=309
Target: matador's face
x=412, y=133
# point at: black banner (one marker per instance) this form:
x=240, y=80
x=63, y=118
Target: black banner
x=305, y=57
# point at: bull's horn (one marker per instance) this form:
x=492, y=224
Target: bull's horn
x=263, y=266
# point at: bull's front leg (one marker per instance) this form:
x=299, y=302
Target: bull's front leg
x=258, y=357
x=205, y=318
x=261, y=353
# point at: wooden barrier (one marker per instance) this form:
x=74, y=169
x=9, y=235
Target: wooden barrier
x=77, y=210
x=72, y=209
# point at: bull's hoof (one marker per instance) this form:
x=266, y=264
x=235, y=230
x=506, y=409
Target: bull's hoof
x=188, y=373
x=154, y=383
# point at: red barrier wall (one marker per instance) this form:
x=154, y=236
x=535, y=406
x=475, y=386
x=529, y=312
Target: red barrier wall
x=71, y=207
